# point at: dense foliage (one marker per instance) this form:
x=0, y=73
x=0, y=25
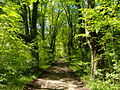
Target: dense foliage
x=35, y=33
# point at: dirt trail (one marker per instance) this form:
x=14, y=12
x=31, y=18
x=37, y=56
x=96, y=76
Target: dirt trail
x=57, y=77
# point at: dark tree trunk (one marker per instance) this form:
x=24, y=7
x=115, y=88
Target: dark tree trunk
x=26, y=20
x=71, y=33
x=30, y=18
x=53, y=39
x=34, y=20
x=33, y=32
x=43, y=27
x=52, y=43
x=30, y=23
x=54, y=28
x=81, y=30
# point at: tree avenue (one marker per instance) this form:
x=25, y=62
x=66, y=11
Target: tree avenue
x=34, y=34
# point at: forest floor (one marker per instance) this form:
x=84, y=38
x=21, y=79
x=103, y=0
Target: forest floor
x=57, y=77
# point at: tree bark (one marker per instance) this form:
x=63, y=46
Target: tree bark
x=31, y=28
x=71, y=33
x=34, y=20
x=54, y=28
x=92, y=43
x=33, y=32
x=43, y=27
x=81, y=30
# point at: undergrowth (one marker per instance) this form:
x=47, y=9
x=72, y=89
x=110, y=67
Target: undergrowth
x=17, y=83
x=97, y=84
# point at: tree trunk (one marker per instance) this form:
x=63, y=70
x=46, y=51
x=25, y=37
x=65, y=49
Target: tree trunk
x=71, y=34
x=33, y=32
x=30, y=23
x=53, y=41
x=81, y=30
x=43, y=27
x=92, y=43
x=34, y=20
x=26, y=20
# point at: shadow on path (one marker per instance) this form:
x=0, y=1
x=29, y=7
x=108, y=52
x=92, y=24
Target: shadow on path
x=57, y=77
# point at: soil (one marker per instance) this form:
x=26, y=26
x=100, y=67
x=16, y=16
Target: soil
x=57, y=77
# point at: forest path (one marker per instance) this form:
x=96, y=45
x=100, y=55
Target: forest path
x=58, y=77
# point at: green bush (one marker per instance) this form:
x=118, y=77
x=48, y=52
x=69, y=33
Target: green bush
x=15, y=57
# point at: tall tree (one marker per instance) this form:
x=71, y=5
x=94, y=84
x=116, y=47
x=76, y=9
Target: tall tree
x=30, y=24
x=92, y=41
x=68, y=8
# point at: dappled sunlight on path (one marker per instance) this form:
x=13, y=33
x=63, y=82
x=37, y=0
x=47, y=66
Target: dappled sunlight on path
x=58, y=77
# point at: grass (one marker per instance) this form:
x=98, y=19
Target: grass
x=11, y=87
x=100, y=85
x=17, y=83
